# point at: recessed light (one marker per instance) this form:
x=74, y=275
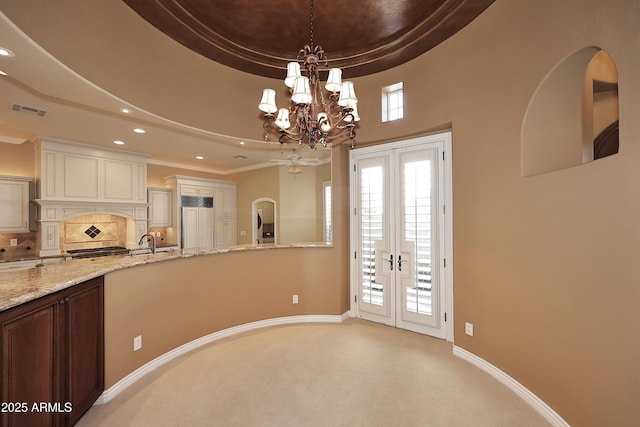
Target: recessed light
x=118, y=142
x=125, y=110
x=6, y=52
x=242, y=142
x=138, y=130
x=199, y=157
x=2, y=73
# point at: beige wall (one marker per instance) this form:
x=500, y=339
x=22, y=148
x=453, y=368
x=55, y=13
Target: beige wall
x=544, y=266
x=298, y=198
x=323, y=173
x=297, y=206
x=252, y=185
x=18, y=159
x=174, y=302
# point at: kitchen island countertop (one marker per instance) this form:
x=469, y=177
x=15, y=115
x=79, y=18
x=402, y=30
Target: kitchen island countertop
x=19, y=287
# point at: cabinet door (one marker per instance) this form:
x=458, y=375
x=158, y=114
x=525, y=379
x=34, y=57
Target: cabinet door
x=188, y=190
x=205, y=228
x=225, y=232
x=197, y=228
x=159, y=208
x=225, y=202
x=221, y=232
x=189, y=228
x=14, y=206
x=205, y=191
x=85, y=346
x=30, y=363
x=53, y=357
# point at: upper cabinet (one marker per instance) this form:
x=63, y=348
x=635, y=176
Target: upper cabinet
x=73, y=172
x=14, y=204
x=160, y=207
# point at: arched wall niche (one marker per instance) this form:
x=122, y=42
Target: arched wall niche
x=573, y=115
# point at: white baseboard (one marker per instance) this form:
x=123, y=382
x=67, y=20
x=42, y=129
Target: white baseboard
x=533, y=400
x=134, y=376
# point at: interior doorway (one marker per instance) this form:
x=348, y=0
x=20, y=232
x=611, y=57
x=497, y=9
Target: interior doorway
x=401, y=240
x=264, y=221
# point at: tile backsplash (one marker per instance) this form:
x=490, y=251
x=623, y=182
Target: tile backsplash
x=92, y=231
x=26, y=245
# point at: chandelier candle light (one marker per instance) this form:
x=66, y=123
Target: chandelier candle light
x=311, y=118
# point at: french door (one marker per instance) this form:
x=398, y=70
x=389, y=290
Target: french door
x=400, y=240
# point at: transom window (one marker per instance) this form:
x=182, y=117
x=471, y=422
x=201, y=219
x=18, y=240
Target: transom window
x=392, y=102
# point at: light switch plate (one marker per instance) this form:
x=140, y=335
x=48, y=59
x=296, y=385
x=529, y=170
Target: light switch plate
x=468, y=328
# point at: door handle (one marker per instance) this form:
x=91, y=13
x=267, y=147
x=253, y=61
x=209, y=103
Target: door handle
x=400, y=261
x=390, y=261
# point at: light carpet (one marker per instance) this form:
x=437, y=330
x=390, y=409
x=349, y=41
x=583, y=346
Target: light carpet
x=355, y=373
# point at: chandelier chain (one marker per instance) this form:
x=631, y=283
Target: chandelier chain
x=311, y=24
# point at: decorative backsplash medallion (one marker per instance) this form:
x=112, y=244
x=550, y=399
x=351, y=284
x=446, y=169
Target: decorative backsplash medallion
x=90, y=231
x=93, y=232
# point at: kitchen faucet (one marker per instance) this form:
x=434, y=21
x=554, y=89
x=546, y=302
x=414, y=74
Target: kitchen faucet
x=153, y=241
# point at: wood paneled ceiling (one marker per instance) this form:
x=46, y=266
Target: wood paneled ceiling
x=259, y=37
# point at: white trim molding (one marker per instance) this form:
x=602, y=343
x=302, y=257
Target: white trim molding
x=154, y=364
x=534, y=401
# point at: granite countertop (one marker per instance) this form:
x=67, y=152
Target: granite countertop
x=19, y=287
x=14, y=258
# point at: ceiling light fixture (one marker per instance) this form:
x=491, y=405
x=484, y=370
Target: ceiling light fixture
x=294, y=169
x=138, y=130
x=311, y=117
x=199, y=157
x=118, y=142
x=125, y=110
x=6, y=52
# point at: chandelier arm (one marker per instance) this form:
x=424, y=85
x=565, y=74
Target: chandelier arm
x=313, y=118
x=284, y=135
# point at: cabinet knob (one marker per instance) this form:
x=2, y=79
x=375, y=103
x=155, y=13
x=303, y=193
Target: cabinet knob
x=64, y=300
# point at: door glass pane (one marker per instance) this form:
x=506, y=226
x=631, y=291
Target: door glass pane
x=417, y=234
x=371, y=222
x=328, y=237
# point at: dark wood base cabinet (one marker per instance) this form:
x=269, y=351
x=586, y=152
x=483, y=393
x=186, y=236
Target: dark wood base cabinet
x=53, y=357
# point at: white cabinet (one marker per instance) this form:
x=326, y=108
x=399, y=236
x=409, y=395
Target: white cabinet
x=196, y=190
x=224, y=202
x=14, y=204
x=197, y=228
x=159, y=207
x=70, y=171
x=206, y=227
x=78, y=179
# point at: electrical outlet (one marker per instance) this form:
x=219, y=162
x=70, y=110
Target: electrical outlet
x=468, y=328
x=243, y=233
x=13, y=242
x=295, y=299
x=137, y=343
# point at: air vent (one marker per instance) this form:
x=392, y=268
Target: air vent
x=31, y=110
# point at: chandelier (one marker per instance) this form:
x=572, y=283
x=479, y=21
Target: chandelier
x=312, y=116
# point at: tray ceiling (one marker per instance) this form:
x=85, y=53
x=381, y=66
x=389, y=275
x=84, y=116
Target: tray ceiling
x=260, y=37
